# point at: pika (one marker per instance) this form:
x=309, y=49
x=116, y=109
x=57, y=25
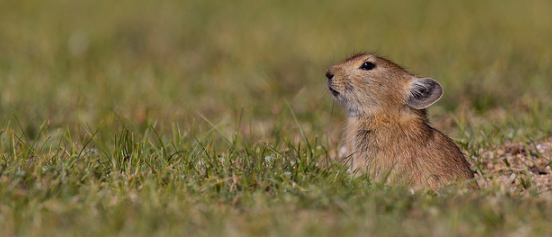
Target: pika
x=388, y=132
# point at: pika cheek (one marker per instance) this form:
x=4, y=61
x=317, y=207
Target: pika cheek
x=348, y=87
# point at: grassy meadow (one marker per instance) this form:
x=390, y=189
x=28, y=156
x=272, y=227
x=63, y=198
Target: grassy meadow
x=212, y=118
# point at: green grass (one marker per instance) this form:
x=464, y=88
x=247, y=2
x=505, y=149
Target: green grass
x=202, y=118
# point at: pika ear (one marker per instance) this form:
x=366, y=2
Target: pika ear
x=424, y=92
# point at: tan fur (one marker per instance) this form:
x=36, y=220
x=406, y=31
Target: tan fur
x=385, y=135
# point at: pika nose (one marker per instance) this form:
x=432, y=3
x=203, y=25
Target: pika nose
x=329, y=74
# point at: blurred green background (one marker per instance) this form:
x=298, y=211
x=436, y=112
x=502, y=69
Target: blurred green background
x=81, y=62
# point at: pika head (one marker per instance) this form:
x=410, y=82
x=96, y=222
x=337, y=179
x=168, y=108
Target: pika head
x=365, y=84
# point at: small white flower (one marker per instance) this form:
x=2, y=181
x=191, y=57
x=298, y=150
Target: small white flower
x=269, y=158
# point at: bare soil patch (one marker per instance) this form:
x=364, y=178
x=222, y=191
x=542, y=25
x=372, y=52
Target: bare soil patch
x=516, y=167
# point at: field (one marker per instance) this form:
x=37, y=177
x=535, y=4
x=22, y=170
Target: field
x=212, y=118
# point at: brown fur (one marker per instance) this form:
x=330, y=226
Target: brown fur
x=385, y=133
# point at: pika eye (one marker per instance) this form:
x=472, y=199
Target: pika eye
x=367, y=66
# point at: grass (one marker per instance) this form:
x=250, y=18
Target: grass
x=198, y=118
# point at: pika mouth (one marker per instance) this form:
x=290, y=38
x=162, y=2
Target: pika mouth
x=334, y=92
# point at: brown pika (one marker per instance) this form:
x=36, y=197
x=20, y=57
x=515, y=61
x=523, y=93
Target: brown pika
x=388, y=132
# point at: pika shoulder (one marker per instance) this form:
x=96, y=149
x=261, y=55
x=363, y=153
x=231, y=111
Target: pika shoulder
x=388, y=132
